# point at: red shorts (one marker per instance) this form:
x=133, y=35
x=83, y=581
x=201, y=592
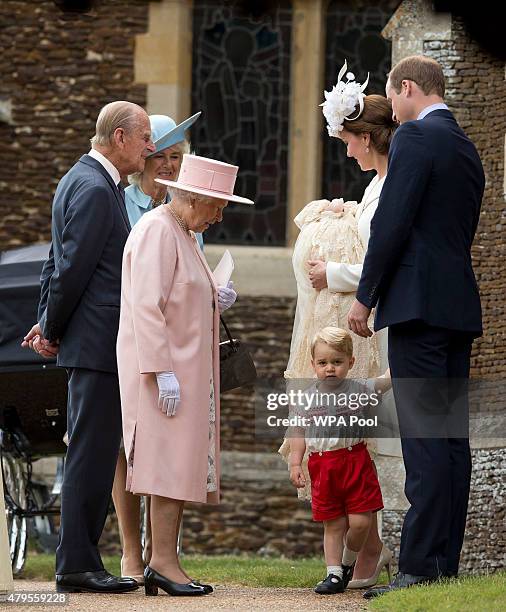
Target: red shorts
x=343, y=482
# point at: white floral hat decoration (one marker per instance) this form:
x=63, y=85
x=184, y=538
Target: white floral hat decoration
x=341, y=102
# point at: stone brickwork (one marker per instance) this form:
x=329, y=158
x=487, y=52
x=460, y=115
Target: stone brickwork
x=57, y=71
x=485, y=539
x=265, y=325
x=260, y=513
x=476, y=94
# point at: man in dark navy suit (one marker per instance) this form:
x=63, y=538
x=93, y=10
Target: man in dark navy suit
x=78, y=321
x=418, y=274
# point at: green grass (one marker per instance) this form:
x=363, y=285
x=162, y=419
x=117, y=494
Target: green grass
x=476, y=594
x=226, y=569
x=244, y=570
x=479, y=594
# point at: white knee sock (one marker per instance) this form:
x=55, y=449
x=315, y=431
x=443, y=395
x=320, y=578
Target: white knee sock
x=337, y=570
x=349, y=556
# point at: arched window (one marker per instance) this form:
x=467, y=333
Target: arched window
x=241, y=82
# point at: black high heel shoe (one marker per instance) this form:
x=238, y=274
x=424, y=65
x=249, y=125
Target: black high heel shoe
x=207, y=587
x=153, y=580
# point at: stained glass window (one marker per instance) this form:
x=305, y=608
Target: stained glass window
x=353, y=33
x=241, y=82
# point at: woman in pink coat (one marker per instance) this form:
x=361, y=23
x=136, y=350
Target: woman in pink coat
x=168, y=361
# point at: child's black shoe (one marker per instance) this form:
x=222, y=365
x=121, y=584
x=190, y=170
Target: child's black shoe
x=347, y=574
x=331, y=585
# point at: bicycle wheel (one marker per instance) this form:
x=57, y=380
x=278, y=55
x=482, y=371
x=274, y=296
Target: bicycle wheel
x=14, y=477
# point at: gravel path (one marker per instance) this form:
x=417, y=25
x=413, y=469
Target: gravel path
x=224, y=598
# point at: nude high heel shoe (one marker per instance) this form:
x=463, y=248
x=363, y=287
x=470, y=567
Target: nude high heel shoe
x=384, y=560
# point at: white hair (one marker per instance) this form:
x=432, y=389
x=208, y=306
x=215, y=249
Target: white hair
x=190, y=197
x=120, y=114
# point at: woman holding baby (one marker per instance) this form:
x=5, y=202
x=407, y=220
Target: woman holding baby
x=328, y=259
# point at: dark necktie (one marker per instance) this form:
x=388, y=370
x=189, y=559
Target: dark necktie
x=121, y=192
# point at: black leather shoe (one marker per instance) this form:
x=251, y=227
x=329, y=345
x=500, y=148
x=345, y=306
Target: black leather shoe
x=347, y=574
x=207, y=587
x=330, y=586
x=401, y=581
x=153, y=581
x=94, y=582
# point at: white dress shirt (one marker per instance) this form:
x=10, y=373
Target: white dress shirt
x=322, y=438
x=432, y=107
x=111, y=168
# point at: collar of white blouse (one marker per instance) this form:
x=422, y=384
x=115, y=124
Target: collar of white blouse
x=371, y=195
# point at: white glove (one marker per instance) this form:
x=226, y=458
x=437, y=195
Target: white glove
x=226, y=297
x=168, y=392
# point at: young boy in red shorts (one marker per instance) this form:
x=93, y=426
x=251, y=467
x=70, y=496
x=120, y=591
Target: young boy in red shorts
x=344, y=486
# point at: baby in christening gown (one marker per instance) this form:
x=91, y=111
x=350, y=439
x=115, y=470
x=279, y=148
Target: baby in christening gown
x=326, y=234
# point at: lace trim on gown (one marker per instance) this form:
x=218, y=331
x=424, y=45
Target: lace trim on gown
x=328, y=236
x=212, y=481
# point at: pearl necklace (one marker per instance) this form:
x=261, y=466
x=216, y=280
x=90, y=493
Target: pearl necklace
x=180, y=222
x=155, y=203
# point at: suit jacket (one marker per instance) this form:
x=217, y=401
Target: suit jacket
x=418, y=262
x=81, y=280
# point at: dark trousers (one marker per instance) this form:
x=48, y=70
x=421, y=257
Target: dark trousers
x=438, y=463
x=94, y=428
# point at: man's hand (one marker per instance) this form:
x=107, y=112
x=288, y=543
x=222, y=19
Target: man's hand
x=31, y=335
x=36, y=341
x=297, y=476
x=357, y=319
x=318, y=274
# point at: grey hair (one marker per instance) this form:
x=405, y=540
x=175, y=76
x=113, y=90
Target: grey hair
x=190, y=197
x=181, y=147
x=120, y=114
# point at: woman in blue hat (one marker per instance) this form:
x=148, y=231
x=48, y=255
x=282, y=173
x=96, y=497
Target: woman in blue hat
x=144, y=193
x=141, y=196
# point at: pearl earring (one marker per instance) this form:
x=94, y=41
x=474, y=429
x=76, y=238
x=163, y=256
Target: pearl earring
x=367, y=149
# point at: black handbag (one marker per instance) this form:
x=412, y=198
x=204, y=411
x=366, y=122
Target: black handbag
x=236, y=365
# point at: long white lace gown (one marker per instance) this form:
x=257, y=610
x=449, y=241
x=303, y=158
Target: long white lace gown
x=341, y=240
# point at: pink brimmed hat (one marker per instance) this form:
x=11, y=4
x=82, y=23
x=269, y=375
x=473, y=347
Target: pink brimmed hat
x=208, y=177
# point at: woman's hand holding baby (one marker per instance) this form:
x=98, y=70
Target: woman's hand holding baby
x=318, y=274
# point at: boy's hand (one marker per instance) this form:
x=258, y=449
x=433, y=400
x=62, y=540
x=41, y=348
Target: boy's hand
x=383, y=383
x=297, y=476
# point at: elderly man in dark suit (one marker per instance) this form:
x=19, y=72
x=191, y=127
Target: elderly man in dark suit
x=418, y=273
x=78, y=320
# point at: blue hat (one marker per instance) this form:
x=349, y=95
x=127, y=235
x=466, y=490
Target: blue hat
x=165, y=132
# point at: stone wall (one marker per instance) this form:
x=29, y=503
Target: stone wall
x=485, y=538
x=265, y=324
x=57, y=71
x=476, y=94
x=260, y=513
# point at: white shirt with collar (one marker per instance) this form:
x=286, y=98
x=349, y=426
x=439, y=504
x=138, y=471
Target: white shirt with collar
x=432, y=107
x=110, y=167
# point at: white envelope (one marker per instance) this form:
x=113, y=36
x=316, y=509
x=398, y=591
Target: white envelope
x=224, y=269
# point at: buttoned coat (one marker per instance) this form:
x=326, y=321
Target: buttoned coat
x=418, y=263
x=80, y=281
x=169, y=321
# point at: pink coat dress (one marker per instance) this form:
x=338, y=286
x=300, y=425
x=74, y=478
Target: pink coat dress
x=167, y=323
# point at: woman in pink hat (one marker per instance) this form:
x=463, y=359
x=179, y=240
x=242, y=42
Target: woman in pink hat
x=168, y=361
